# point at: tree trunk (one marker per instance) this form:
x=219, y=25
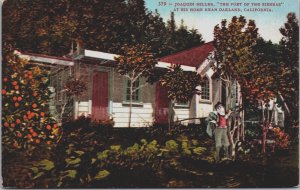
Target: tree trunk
x=243, y=125
x=171, y=114
x=228, y=96
x=264, y=135
x=230, y=132
x=130, y=103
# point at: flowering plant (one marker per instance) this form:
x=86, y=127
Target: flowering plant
x=282, y=140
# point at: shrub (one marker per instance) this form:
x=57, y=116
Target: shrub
x=282, y=140
x=26, y=121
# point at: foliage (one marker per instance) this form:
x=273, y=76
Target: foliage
x=52, y=27
x=73, y=90
x=135, y=62
x=75, y=87
x=289, y=74
x=233, y=54
x=282, y=139
x=83, y=122
x=180, y=90
x=26, y=121
x=105, y=164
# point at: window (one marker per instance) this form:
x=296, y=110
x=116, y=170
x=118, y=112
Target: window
x=205, y=89
x=182, y=104
x=136, y=92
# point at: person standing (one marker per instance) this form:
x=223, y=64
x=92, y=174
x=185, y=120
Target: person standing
x=217, y=127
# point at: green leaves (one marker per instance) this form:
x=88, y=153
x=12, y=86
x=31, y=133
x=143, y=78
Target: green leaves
x=199, y=150
x=38, y=175
x=70, y=173
x=73, y=161
x=102, y=155
x=79, y=152
x=171, y=145
x=46, y=165
x=180, y=90
x=115, y=147
x=102, y=174
x=41, y=168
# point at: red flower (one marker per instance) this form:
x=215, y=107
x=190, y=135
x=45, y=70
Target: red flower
x=3, y=91
x=32, y=114
x=15, y=98
x=37, y=141
x=48, y=127
x=19, y=98
x=5, y=124
x=17, y=104
x=14, y=83
x=5, y=79
x=18, y=121
x=34, y=105
x=19, y=134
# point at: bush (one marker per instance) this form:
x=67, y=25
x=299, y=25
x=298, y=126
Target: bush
x=26, y=121
x=82, y=167
x=282, y=140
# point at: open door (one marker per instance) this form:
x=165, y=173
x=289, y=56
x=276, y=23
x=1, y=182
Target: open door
x=100, y=96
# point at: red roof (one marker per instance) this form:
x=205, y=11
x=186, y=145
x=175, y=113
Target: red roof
x=191, y=57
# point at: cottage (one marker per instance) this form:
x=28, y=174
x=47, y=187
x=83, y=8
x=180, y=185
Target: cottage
x=107, y=95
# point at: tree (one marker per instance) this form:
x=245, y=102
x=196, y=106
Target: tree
x=135, y=63
x=155, y=27
x=234, y=60
x=51, y=27
x=289, y=82
x=26, y=121
x=181, y=90
x=180, y=38
x=73, y=90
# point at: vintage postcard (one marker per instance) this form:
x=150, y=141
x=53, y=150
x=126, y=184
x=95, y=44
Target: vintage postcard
x=150, y=94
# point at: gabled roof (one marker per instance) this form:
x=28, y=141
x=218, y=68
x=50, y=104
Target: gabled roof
x=193, y=57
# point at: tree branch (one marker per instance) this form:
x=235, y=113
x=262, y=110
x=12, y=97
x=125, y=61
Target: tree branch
x=135, y=78
x=141, y=86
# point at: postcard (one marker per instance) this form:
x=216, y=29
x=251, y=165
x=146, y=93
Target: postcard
x=150, y=94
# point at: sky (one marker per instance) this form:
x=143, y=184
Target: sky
x=204, y=21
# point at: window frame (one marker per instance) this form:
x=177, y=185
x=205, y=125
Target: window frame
x=182, y=105
x=126, y=87
x=204, y=100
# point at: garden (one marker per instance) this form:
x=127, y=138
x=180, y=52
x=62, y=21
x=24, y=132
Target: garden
x=92, y=155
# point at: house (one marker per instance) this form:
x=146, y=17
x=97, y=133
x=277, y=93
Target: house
x=107, y=94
